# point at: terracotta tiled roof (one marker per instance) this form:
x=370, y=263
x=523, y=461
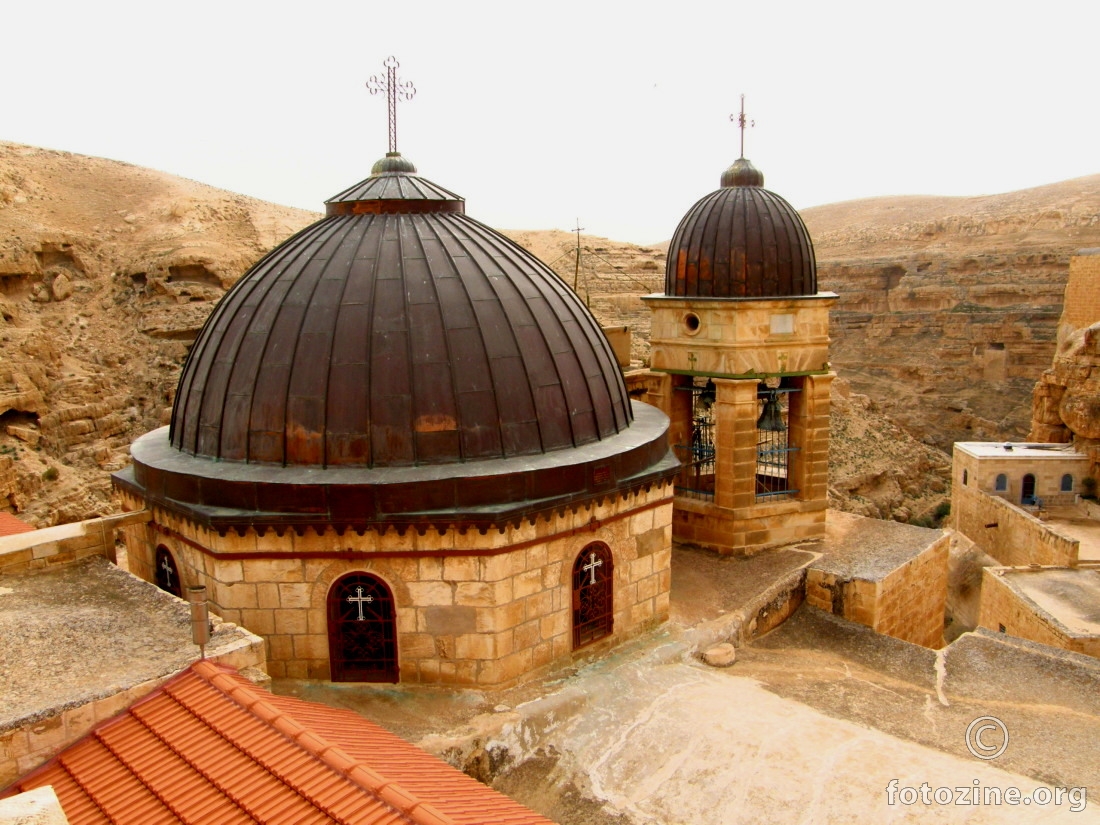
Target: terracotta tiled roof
x=10, y=525
x=210, y=747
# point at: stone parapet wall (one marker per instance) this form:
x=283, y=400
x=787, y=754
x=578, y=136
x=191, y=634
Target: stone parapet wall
x=65, y=543
x=1004, y=609
x=472, y=608
x=748, y=530
x=1007, y=533
x=24, y=747
x=907, y=603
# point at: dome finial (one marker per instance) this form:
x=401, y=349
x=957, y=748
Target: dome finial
x=742, y=172
x=394, y=89
x=743, y=123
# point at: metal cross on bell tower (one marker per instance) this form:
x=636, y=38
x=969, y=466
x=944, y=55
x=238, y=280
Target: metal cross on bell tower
x=743, y=123
x=394, y=89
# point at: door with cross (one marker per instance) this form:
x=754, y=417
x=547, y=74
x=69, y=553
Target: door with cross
x=593, y=594
x=362, y=630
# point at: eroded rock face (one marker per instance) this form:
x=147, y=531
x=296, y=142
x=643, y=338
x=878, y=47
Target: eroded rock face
x=107, y=271
x=1065, y=401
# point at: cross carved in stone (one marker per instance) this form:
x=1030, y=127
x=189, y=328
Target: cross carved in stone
x=595, y=561
x=393, y=89
x=359, y=600
x=167, y=568
x=742, y=123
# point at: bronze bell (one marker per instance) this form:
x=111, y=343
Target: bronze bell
x=709, y=394
x=771, y=419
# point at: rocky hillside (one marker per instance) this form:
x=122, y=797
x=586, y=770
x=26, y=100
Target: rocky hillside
x=107, y=271
x=949, y=307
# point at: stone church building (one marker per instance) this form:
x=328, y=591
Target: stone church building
x=402, y=449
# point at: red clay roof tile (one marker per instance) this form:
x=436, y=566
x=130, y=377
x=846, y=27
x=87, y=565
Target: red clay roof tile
x=211, y=747
x=10, y=525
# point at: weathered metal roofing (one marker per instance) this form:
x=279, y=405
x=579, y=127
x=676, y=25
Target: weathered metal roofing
x=211, y=747
x=741, y=241
x=399, y=332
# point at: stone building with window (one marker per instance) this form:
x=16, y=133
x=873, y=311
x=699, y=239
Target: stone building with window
x=402, y=450
x=739, y=361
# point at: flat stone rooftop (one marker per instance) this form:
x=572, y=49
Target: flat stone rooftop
x=856, y=547
x=1070, y=595
x=76, y=633
x=1009, y=449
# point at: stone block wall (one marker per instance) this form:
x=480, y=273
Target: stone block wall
x=26, y=746
x=64, y=543
x=907, y=603
x=472, y=609
x=1006, y=532
x=1003, y=606
x=1081, y=305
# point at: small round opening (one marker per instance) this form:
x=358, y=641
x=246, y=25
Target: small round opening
x=691, y=321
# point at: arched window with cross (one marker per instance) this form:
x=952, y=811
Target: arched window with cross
x=362, y=630
x=593, y=594
x=166, y=574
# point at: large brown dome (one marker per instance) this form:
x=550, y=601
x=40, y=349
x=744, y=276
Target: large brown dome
x=741, y=241
x=397, y=331
x=397, y=364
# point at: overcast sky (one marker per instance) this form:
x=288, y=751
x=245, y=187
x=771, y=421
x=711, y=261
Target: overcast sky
x=616, y=113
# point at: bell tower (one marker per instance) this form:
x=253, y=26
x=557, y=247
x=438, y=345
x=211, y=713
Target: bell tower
x=740, y=363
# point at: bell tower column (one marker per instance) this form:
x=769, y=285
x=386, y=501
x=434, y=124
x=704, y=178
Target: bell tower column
x=735, y=442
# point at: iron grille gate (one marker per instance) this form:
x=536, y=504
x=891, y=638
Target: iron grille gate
x=696, y=477
x=362, y=630
x=773, y=448
x=593, y=597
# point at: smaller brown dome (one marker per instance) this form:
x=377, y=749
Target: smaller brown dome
x=741, y=241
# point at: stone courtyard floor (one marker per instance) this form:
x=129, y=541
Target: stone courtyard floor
x=810, y=725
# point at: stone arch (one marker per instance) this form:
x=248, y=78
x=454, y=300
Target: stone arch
x=362, y=629
x=1067, y=483
x=593, y=590
x=1001, y=483
x=166, y=572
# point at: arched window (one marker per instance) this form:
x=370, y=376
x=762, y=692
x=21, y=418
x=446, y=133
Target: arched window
x=362, y=630
x=167, y=574
x=593, y=594
x=1027, y=490
x=1002, y=483
x=1067, y=483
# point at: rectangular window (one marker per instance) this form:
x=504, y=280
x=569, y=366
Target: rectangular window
x=696, y=477
x=774, y=450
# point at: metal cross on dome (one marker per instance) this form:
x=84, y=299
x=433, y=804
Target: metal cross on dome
x=394, y=89
x=359, y=600
x=743, y=123
x=591, y=567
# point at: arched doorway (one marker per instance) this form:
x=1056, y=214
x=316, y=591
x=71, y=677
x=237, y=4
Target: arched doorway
x=166, y=574
x=1027, y=490
x=593, y=594
x=362, y=630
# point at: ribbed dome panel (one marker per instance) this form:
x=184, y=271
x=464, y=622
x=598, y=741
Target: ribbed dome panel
x=741, y=242
x=386, y=340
